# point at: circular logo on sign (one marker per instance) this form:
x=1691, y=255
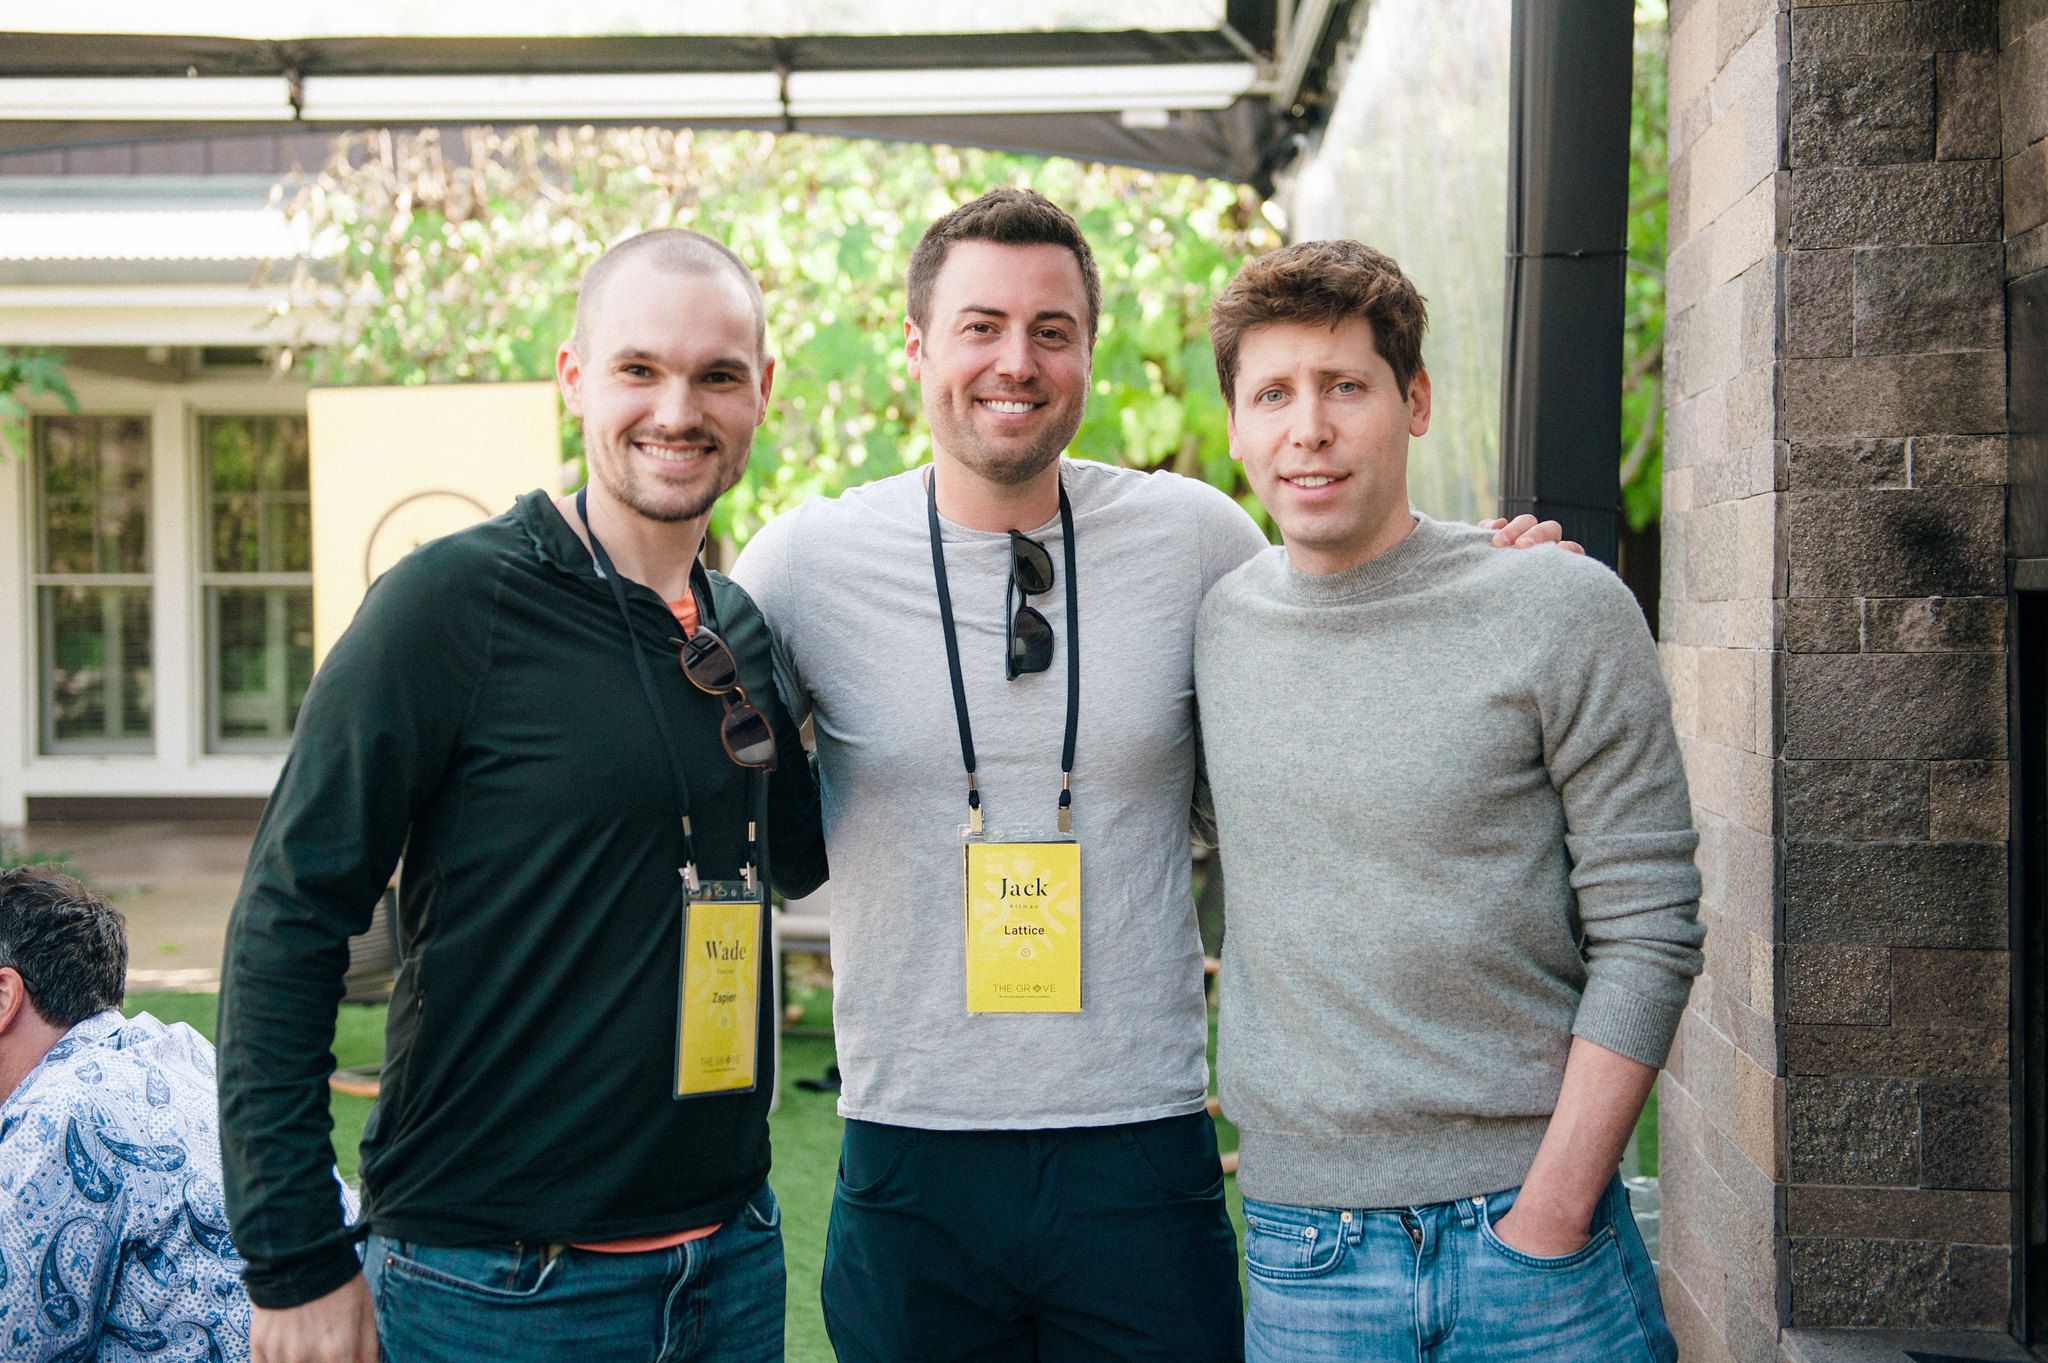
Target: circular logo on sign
x=414, y=520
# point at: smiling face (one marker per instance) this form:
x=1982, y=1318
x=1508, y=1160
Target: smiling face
x=668, y=379
x=1322, y=428
x=1003, y=360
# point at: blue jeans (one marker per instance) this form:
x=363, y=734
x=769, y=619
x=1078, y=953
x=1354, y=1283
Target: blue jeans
x=715, y=1300
x=1434, y=1284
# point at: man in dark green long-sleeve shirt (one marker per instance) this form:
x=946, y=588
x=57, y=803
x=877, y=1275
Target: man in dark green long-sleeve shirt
x=534, y=1188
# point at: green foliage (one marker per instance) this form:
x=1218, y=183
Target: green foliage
x=1642, y=393
x=25, y=374
x=444, y=268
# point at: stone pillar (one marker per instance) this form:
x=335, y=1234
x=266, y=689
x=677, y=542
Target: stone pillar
x=1721, y=1101
x=1835, y=1130
x=2023, y=70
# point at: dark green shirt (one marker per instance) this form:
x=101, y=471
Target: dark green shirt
x=484, y=717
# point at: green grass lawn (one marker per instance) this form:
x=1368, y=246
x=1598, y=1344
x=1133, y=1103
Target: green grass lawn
x=805, y=1131
x=804, y=1128
x=1646, y=1141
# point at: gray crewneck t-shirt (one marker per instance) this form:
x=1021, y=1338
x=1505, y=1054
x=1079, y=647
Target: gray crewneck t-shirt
x=846, y=586
x=1455, y=833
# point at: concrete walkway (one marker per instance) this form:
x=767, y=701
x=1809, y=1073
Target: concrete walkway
x=175, y=883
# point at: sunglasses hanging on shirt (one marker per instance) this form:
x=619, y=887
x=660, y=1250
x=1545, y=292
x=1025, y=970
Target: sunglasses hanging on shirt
x=1027, y=638
x=709, y=663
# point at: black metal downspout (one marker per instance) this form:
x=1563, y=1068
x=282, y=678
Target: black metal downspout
x=1568, y=124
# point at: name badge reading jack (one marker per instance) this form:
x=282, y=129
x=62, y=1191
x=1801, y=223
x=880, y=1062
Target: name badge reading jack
x=1023, y=926
x=717, y=1024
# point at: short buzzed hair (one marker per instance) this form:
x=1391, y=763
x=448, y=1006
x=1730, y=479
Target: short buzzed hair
x=669, y=248
x=68, y=945
x=1321, y=283
x=1008, y=217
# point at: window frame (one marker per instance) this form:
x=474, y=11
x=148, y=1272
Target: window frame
x=208, y=582
x=40, y=582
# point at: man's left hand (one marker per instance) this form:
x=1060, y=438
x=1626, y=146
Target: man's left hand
x=1526, y=532
x=1544, y=1237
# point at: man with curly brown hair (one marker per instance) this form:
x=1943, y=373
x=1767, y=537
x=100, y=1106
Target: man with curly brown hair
x=1463, y=904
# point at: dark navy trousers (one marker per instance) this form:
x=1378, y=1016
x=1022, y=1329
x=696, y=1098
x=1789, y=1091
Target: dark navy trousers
x=1075, y=1245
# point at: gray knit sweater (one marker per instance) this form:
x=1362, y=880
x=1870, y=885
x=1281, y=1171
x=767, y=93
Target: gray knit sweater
x=1455, y=833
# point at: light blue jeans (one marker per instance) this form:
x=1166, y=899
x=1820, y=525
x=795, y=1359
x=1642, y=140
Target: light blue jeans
x=1434, y=1284
x=715, y=1300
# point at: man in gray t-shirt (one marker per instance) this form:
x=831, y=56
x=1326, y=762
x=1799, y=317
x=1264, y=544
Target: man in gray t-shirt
x=1028, y=1184
x=1031, y=1184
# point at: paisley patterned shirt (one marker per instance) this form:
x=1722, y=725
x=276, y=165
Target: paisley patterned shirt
x=114, y=1241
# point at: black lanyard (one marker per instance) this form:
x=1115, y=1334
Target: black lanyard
x=974, y=816
x=668, y=738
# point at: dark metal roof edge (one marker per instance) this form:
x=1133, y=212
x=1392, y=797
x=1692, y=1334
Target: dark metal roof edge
x=89, y=55
x=1226, y=144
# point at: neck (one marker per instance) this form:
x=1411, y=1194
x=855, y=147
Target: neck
x=966, y=498
x=22, y=1048
x=656, y=554
x=1321, y=560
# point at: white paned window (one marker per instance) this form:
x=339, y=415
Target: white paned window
x=257, y=579
x=92, y=583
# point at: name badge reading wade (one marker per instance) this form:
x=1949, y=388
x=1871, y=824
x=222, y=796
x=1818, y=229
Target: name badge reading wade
x=1023, y=926
x=718, y=1024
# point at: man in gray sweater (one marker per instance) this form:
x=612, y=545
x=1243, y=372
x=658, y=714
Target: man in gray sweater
x=1463, y=904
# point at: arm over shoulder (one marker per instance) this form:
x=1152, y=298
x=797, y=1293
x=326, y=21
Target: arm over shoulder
x=796, y=830
x=767, y=571
x=1613, y=758
x=1229, y=536
x=375, y=735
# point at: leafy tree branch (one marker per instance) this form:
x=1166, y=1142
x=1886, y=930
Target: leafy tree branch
x=26, y=374
x=459, y=264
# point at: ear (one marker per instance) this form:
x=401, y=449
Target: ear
x=913, y=348
x=13, y=998
x=1230, y=430
x=1418, y=403
x=569, y=378
x=767, y=387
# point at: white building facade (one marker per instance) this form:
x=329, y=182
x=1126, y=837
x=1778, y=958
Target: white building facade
x=155, y=543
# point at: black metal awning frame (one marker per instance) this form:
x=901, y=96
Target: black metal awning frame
x=1285, y=48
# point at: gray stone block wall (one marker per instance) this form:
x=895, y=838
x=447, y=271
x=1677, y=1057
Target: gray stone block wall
x=1892, y=671
x=1836, y=1128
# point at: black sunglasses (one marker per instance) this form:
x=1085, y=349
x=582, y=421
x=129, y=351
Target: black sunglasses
x=711, y=667
x=1027, y=638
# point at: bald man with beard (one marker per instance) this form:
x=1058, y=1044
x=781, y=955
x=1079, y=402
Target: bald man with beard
x=508, y=711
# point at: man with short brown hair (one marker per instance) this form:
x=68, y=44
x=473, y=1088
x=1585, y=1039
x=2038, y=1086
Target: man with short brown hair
x=1463, y=905
x=1000, y=1164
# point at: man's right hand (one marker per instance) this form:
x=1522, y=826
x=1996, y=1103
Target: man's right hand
x=340, y=1327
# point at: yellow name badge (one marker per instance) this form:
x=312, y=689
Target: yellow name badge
x=718, y=1025
x=1023, y=927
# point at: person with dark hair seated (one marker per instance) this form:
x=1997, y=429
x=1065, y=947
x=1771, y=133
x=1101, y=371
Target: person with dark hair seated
x=114, y=1241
